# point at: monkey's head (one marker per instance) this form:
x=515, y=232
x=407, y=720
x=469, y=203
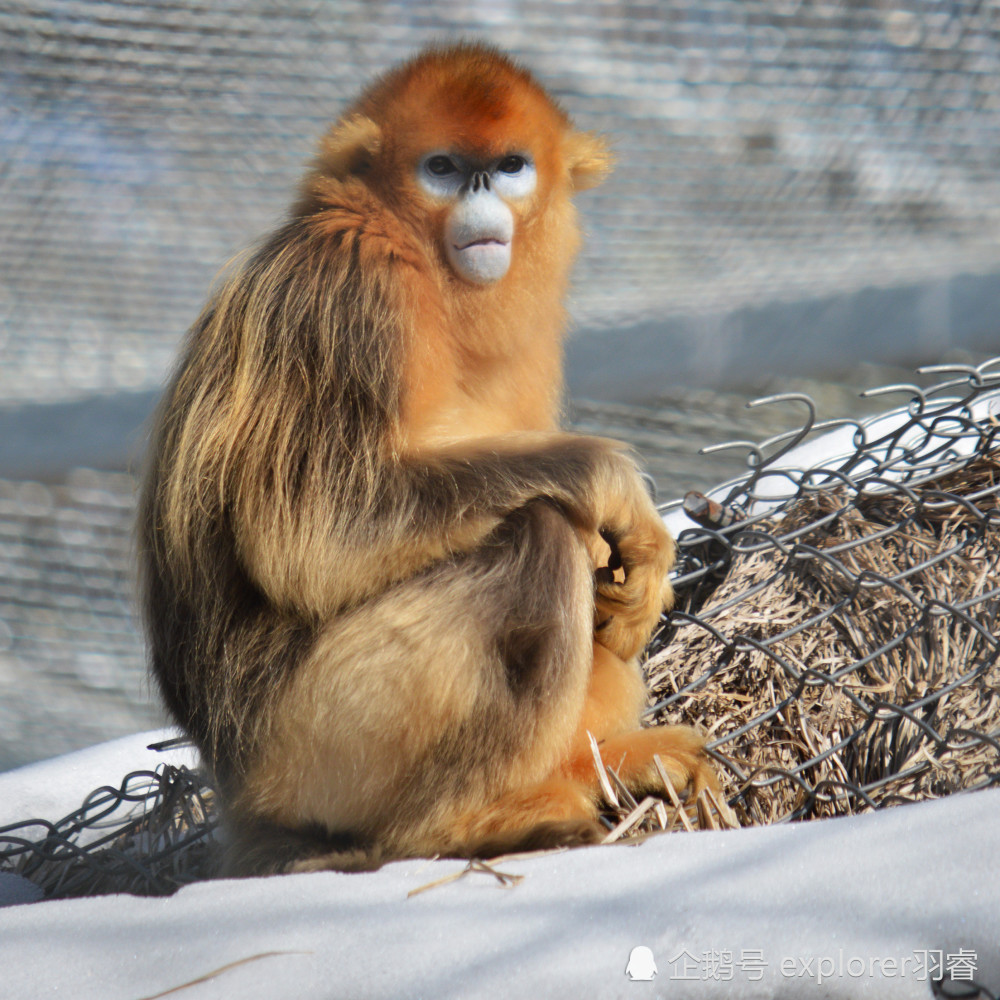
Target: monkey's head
x=466, y=149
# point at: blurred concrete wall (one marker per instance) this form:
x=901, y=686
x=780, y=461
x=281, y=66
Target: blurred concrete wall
x=799, y=181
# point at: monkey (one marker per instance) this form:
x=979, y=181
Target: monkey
x=373, y=565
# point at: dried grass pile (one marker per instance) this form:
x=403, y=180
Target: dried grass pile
x=849, y=657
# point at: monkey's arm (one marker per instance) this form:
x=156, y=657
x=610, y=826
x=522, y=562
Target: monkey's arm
x=279, y=430
x=450, y=502
x=412, y=513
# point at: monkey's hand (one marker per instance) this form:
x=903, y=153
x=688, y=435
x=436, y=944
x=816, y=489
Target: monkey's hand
x=632, y=584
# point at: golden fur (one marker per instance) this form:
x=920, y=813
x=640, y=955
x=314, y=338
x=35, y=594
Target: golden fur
x=368, y=552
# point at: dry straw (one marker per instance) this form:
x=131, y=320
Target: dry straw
x=848, y=659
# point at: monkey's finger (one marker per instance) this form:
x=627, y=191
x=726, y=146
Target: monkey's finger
x=615, y=558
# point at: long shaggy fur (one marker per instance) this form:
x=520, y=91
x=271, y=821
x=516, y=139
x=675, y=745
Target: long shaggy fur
x=368, y=552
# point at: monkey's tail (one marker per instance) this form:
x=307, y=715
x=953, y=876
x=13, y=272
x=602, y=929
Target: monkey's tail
x=259, y=847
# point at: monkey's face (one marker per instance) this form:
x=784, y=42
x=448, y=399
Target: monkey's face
x=479, y=223
x=471, y=155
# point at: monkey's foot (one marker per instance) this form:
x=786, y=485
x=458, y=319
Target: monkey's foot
x=339, y=861
x=258, y=846
x=681, y=752
x=543, y=837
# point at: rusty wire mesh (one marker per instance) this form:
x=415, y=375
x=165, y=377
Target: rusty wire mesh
x=835, y=634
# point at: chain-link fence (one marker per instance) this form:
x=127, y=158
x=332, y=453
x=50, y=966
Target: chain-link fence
x=835, y=635
x=836, y=629
x=149, y=835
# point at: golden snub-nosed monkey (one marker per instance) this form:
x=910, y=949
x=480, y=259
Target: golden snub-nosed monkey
x=368, y=552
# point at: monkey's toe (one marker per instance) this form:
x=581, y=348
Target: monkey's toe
x=642, y=758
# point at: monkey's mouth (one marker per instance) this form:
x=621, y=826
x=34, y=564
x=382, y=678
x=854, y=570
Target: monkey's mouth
x=482, y=243
x=482, y=260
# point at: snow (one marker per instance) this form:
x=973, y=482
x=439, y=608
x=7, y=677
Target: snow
x=804, y=907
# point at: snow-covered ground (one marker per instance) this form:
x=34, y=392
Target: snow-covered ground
x=855, y=907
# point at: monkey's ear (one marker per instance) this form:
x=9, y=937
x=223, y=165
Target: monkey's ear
x=350, y=147
x=589, y=159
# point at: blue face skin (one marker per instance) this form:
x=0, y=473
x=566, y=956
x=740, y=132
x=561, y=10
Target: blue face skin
x=480, y=225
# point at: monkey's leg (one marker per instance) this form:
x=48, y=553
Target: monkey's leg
x=562, y=810
x=418, y=711
x=616, y=696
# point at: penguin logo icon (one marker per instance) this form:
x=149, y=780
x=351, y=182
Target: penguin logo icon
x=641, y=967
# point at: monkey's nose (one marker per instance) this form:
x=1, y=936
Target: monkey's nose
x=480, y=179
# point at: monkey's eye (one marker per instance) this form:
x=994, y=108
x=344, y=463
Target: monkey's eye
x=512, y=164
x=441, y=166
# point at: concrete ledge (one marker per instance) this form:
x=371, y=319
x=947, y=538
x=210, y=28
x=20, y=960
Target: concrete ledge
x=905, y=325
